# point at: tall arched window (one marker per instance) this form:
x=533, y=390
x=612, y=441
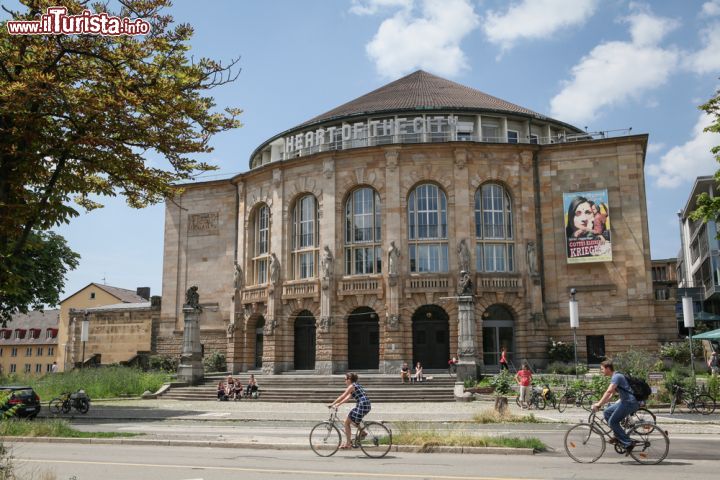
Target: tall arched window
x=305, y=238
x=495, y=248
x=427, y=229
x=261, y=244
x=363, y=254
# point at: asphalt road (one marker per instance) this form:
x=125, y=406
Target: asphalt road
x=109, y=462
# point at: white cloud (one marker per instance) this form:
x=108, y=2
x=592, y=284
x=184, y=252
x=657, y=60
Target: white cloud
x=706, y=60
x=430, y=41
x=371, y=7
x=655, y=147
x=615, y=72
x=685, y=162
x=530, y=19
x=711, y=8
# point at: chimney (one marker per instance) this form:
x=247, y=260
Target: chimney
x=143, y=292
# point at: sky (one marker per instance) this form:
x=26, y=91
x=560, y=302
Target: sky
x=604, y=65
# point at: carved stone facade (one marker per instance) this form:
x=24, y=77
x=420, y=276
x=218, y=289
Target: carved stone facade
x=361, y=316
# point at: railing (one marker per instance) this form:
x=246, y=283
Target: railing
x=491, y=282
x=360, y=286
x=427, y=284
x=301, y=289
x=255, y=294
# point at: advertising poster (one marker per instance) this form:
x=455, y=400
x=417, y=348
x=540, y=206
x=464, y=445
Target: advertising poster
x=587, y=226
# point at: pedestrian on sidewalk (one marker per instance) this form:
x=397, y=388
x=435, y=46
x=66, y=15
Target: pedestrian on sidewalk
x=503, y=359
x=524, y=378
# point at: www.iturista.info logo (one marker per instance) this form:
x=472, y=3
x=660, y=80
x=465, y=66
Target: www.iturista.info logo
x=57, y=22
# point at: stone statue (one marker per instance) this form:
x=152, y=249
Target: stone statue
x=230, y=329
x=192, y=298
x=393, y=259
x=532, y=259
x=274, y=269
x=238, y=277
x=393, y=321
x=466, y=284
x=326, y=263
x=324, y=324
x=269, y=329
x=463, y=256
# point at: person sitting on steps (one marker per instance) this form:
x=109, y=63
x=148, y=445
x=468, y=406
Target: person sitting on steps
x=405, y=373
x=418, y=372
x=252, y=387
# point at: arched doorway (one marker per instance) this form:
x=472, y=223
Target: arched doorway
x=498, y=331
x=305, y=341
x=259, y=341
x=431, y=332
x=363, y=339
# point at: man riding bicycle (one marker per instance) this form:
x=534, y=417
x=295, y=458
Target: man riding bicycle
x=626, y=405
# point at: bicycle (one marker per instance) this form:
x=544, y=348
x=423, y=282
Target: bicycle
x=581, y=399
x=585, y=442
x=536, y=399
x=698, y=402
x=549, y=396
x=373, y=438
x=67, y=401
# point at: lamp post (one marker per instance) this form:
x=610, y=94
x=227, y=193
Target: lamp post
x=689, y=321
x=574, y=323
x=84, y=333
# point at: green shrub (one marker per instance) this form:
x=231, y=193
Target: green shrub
x=163, y=363
x=598, y=384
x=215, y=362
x=637, y=363
x=677, y=376
x=713, y=387
x=566, y=368
x=560, y=351
x=679, y=352
x=502, y=382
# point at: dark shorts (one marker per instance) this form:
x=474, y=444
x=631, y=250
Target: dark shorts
x=361, y=409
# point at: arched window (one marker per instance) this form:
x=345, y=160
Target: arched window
x=261, y=245
x=495, y=248
x=305, y=238
x=363, y=254
x=427, y=229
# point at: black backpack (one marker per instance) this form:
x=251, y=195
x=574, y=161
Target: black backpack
x=640, y=389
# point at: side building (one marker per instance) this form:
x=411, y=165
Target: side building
x=348, y=242
x=29, y=343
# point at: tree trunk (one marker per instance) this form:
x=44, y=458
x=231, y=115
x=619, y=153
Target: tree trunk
x=501, y=405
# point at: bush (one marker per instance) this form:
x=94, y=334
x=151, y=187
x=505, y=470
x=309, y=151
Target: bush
x=502, y=382
x=560, y=351
x=637, y=363
x=598, y=384
x=566, y=368
x=163, y=363
x=678, y=376
x=679, y=352
x=215, y=362
x=103, y=382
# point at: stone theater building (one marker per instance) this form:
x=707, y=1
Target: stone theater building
x=345, y=244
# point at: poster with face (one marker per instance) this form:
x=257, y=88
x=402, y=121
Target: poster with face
x=587, y=226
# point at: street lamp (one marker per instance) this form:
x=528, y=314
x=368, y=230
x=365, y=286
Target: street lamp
x=574, y=323
x=689, y=320
x=84, y=333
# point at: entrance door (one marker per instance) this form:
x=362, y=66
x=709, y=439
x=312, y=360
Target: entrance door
x=431, y=342
x=259, y=342
x=498, y=331
x=363, y=340
x=305, y=341
x=595, y=348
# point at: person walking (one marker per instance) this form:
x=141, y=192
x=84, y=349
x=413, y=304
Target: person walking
x=503, y=359
x=524, y=378
x=362, y=406
x=713, y=364
x=626, y=405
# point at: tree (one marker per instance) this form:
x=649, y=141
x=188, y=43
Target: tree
x=82, y=115
x=708, y=208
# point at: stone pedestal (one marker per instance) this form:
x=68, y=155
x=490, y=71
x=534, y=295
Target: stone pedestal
x=191, y=369
x=468, y=365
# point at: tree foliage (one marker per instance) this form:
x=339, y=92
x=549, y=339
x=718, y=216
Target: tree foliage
x=708, y=208
x=87, y=116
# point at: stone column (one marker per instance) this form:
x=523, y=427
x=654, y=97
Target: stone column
x=324, y=344
x=190, y=369
x=468, y=364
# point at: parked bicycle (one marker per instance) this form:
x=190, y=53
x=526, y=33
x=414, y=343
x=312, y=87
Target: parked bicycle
x=692, y=401
x=578, y=399
x=67, y=401
x=549, y=396
x=585, y=442
x=373, y=438
x=536, y=399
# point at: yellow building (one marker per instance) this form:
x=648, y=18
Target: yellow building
x=28, y=345
x=92, y=296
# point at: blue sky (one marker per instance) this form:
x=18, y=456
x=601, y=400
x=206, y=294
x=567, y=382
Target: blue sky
x=607, y=65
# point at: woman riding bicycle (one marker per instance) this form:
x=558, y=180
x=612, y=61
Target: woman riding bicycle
x=362, y=406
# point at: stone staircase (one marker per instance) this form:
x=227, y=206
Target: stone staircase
x=312, y=388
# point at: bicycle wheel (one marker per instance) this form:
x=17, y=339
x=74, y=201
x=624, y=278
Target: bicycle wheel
x=539, y=402
x=518, y=402
x=651, y=444
x=66, y=406
x=643, y=415
x=83, y=406
x=584, y=444
x=325, y=439
x=587, y=401
x=377, y=440
x=55, y=405
x=563, y=403
x=705, y=404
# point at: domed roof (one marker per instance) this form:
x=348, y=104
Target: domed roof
x=421, y=91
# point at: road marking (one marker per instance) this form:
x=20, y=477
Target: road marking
x=214, y=414
x=269, y=470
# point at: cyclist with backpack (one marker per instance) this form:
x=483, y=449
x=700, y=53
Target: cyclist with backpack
x=626, y=405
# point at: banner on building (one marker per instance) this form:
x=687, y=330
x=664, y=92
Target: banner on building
x=587, y=226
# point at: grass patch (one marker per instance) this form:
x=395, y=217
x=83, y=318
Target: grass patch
x=493, y=416
x=51, y=428
x=431, y=438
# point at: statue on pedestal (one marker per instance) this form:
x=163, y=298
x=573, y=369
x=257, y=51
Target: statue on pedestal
x=465, y=286
x=274, y=269
x=326, y=263
x=238, y=277
x=463, y=256
x=192, y=298
x=393, y=259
